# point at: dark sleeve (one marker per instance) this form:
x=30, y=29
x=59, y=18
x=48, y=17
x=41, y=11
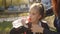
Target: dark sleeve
x=29, y=32
x=46, y=31
x=45, y=26
x=20, y=30
x=12, y=31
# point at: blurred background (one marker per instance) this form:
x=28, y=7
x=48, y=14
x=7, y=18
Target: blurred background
x=11, y=10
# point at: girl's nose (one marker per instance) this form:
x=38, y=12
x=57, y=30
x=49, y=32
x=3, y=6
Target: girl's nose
x=30, y=15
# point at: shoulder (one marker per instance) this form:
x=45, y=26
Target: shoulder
x=44, y=24
x=44, y=21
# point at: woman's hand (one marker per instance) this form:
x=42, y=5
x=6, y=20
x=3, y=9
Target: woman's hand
x=23, y=20
x=37, y=28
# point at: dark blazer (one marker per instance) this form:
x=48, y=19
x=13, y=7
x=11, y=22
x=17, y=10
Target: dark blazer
x=44, y=25
x=22, y=29
x=19, y=30
x=56, y=24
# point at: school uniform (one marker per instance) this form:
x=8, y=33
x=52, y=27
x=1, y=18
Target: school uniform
x=18, y=27
x=41, y=23
x=24, y=30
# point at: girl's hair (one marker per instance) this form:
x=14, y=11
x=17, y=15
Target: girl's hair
x=40, y=8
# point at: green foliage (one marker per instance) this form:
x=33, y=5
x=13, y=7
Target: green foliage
x=5, y=27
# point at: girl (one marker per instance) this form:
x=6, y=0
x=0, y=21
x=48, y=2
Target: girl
x=36, y=15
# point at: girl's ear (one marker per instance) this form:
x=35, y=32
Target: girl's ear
x=39, y=16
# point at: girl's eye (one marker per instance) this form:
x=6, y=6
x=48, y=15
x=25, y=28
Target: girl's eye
x=33, y=13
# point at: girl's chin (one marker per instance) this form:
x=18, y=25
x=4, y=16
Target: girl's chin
x=32, y=21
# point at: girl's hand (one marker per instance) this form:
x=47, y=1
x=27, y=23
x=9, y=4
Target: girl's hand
x=23, y=21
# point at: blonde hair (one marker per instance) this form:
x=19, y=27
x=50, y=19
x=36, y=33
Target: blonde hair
x=40, y=8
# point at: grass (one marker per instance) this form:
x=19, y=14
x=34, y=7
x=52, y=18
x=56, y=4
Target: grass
x=5, y=27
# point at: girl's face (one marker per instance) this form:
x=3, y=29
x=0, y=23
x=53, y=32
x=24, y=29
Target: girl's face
x=34, y=15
